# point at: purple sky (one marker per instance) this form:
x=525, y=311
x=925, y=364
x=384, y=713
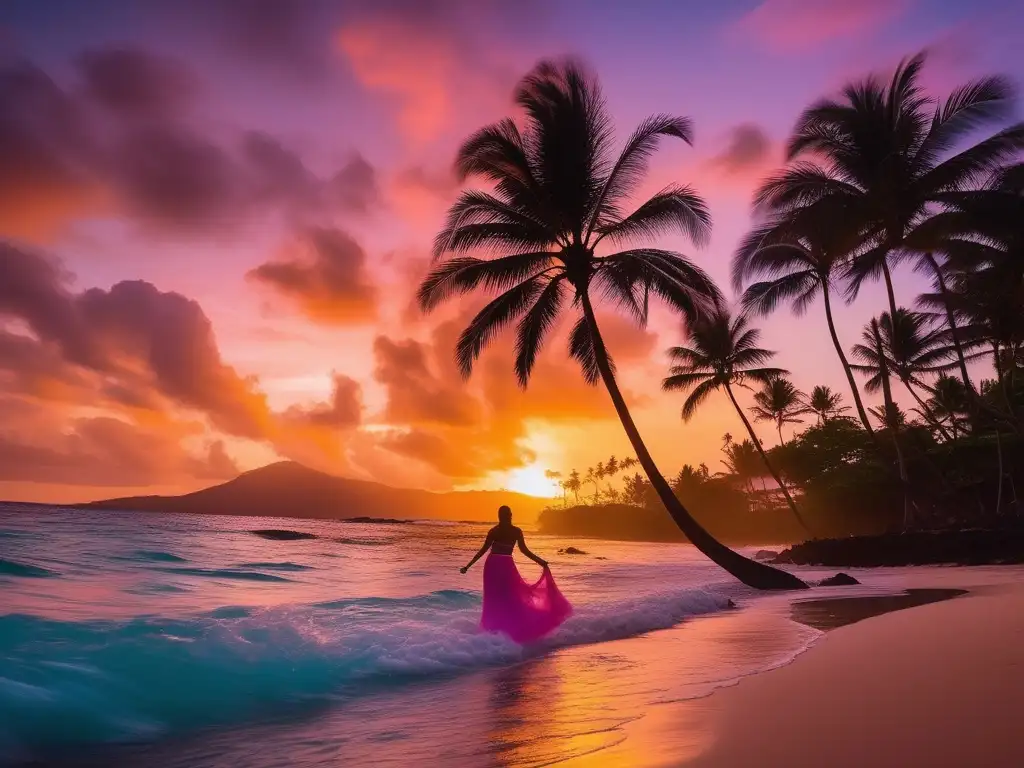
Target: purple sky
x=274, y=173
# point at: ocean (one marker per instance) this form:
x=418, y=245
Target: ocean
x=177, y=640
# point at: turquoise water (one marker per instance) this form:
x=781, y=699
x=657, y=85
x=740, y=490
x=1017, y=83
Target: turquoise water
x=187, y=640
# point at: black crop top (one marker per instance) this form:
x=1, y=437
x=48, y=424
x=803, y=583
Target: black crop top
x=503, y=547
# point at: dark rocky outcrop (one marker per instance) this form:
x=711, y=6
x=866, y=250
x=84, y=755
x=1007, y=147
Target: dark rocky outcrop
x=765, y=554
x=572, y=551
x=278, y=534
x=967, y=547
x=839, y=580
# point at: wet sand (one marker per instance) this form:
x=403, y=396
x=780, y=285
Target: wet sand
x=938, y=685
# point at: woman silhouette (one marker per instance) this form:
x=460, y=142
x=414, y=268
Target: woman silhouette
x=525, y=612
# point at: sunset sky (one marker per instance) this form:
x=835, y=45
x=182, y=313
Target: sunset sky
x=215, y=213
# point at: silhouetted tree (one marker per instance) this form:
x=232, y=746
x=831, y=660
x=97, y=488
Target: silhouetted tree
x=723, y=354
x=559, y=192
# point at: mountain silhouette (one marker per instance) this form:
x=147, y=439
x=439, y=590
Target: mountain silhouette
x=288, y=489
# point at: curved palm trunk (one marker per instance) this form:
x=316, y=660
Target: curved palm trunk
x=750, y=572
x=889, y=291
x=764, y=458
x=951, y=321
x=846, y=363
x=781, y=441
x=890, y=409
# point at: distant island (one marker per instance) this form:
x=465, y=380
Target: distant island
x=288, y=489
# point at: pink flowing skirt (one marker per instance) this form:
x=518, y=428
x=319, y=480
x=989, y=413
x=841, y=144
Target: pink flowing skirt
x=524, y=612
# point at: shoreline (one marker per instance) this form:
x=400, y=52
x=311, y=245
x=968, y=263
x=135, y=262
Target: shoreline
x=939, y=684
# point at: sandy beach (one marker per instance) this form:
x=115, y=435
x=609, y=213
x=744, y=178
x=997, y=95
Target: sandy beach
x=935, y=685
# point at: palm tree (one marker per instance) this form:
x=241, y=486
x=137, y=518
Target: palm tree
x=559, y=193
x=592, y=477
x=574, y=483
x=798, y=255
x=724, y=353
x=885, y=154
x=949, y=403
x=744, y=461
x=979, y=230
x=780, y=402
x=873, y=354
x=911, y=347
x=611, y=469
x=825, y=403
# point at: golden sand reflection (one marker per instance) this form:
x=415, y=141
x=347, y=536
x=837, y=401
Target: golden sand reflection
x=611, y=704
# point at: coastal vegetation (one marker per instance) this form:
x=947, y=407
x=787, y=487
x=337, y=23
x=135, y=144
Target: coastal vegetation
x=882, y=176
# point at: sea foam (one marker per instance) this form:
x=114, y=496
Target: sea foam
x=101, y=681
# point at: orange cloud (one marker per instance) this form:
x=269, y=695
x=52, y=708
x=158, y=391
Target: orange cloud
x=791, y=26
x=325, y=274
x=128, y=378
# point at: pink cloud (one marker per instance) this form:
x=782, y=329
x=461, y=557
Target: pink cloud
x=790, y=26
x=387, y=55
x=449, y=68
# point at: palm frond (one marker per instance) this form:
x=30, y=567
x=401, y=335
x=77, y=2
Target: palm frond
x=764, y=297
x=700, y=393
x=672, y=277
x=631, y=165
x=534, y=326
x=966, y=109
x=493, y=318
x=581, y=349
x=464, y=274
x=802, y=183
x=675, y=208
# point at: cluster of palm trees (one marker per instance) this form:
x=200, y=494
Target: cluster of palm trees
x=575, y=483
x=875, y=178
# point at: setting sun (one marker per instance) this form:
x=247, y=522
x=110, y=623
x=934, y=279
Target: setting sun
x=533, y=480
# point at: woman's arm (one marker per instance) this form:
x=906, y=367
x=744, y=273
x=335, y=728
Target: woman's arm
x=526, y=551
x=478, y=555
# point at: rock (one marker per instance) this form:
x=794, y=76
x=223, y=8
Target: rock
x=839, y=580
x=278, y=534
x=571, y=551
x=765, y=554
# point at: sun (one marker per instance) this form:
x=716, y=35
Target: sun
x=531, y=480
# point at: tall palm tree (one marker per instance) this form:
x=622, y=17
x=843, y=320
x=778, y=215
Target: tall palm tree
x=978, y=230
x=574, y=483
x=779, y=402
x=982, y=238
x=797, y=256
x=887, y=154
x=872, y=352
x=558, y=194
x=825, y=403
x=724, y=354
x=911, y=348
